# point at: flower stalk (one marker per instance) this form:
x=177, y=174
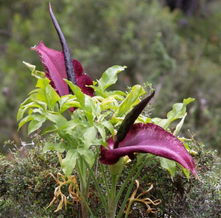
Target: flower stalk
x=112, y=204
x=83, y=177
x=115, y=172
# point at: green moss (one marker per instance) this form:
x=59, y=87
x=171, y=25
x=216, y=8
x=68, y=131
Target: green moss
x=25, y=184
x=187, y=198
x=26, y=188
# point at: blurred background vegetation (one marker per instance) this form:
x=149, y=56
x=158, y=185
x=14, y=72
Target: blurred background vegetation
x=175, y=45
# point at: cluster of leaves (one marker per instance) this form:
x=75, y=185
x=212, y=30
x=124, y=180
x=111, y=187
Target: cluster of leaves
x=80, y=131
x=95, y=119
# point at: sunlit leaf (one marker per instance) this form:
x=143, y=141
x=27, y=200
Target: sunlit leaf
x=90, y=136
x=179, y=125
x=36, y=123
x=24, y=108
x=109, y=77
x=57, y=118
x=131, y=99
x=53, y=146
x=68, y=101
x=69, y=162
x=101, y=131
x=88, y=156
x=169, y=165
x=109, y=126
x=25, y=120
x=77, y=92
x=178, y=112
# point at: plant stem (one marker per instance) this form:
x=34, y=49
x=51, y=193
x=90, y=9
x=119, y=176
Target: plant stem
x=115, y=171
x=84, y=207
x=112, y=204
x=83, y=188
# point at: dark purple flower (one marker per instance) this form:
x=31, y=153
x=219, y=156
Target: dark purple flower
x=60, y=66
x=54, y=64
x=145, y=138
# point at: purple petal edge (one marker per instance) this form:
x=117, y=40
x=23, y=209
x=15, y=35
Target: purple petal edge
x=148, y=138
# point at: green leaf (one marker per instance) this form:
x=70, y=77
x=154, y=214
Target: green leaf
x=186, y=172
x=21, y=112
x=101, y=131
x=41, y=103
x=77, y=92
x=51, y=96
x=68, y=101
x=90, y=136
x=59, y=120
x=49, y=129
x=30, y=66
x=52, y=146
x=187, y=101
x=160, y=122
x=45, y=93
x=131, y=99
x=109, y=103
x=86, y=102
x=72, y=125
x=109, y=126
x=179, y=125
x=22, y=109
x=88, y=156
x=42, y=83
x=25, y=120
x=178, y=112
x=108, y=78
x=119, y=94
x=169, y=165
x=37, y=74
x=36, y=123
x=69, y=162
x=91, y=108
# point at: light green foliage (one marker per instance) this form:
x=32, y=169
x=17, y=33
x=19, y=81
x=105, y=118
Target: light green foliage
x=79, y=130
x=130, y=100
x=178, y=112
x=93, y=120
x=108, y=78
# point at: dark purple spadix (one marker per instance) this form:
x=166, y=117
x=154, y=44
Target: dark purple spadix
x=130, y=119
x=67, y=55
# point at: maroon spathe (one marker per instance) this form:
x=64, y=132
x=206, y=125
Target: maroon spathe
x=53, y=62
x=148, y=138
